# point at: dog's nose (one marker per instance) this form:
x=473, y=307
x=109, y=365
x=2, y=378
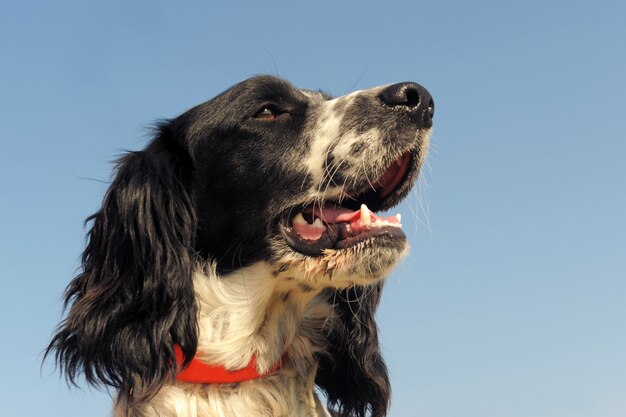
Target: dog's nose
x=412, y=97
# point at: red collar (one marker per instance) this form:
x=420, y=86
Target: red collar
x=202, y=373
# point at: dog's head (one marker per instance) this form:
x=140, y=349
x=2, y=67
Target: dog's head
x=292, y=176
x=264, y=172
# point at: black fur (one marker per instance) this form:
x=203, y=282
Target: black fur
x=353, y=374
x=134, y=299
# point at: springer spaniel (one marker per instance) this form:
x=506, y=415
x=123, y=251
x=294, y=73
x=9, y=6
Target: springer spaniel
x=237, y=261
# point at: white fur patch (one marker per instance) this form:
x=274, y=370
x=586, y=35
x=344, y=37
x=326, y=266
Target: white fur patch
x=252, y=311
x=324, y=133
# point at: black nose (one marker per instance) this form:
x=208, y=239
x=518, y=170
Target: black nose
x=413, y=98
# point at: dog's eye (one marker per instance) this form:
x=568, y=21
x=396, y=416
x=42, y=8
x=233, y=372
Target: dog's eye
x=267, y=113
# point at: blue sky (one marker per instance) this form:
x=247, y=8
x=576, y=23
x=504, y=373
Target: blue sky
x=513, y=300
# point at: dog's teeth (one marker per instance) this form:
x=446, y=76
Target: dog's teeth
x=299, y=219
x=366, y=216
x=399, y=217
x=318, y=224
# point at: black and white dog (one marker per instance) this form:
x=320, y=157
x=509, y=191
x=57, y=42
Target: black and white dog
x=237, y=261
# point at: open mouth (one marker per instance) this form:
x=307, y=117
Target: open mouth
x=315, y=228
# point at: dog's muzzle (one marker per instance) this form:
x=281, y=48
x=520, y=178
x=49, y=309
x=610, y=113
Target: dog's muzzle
x=353, y=220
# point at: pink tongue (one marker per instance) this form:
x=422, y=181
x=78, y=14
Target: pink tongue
x=331, y=214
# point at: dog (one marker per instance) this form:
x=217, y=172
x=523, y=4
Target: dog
x=237, y=261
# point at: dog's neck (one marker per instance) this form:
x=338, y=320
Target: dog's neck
x=253, y=312
x=257, y=311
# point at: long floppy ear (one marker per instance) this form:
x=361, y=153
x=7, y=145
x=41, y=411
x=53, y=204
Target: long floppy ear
x=134, y=299
x=354, y=375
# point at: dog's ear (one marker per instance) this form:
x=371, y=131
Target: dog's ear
x=134, y=299
x=354, y=375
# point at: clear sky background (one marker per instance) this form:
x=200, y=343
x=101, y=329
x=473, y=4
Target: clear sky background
x=513, y=300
